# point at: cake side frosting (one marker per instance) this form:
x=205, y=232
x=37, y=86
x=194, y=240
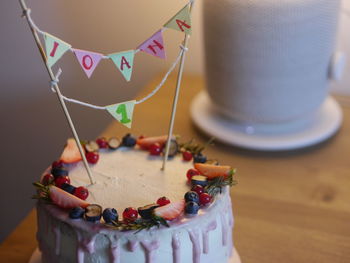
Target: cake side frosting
x=195, y=226
x=201, y=239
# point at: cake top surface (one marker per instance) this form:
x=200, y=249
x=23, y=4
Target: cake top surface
x=131, y=177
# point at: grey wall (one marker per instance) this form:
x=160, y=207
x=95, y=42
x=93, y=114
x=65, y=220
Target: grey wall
x=33, y=127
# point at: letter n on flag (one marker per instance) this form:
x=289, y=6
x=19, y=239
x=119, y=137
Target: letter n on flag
x=181, y=21
x=55, y=48
x=154, y=45
x=124, y=62
x=88, y=60
x=123, y=112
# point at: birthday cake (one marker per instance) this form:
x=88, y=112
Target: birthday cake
x=135, y=212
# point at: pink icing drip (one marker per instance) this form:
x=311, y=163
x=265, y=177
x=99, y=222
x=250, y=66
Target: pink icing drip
x=132, y=245
x=57, y=233
x=115, y=253
x=224, y=227
x=196, y=247
x=175, y=243
x=149, y=248
x=205, y=233
x=84, y=245
x=80, y=255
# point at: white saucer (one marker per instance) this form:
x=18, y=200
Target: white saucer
x=289, y=136
x=36, y=257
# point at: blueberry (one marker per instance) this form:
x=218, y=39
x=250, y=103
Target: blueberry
x=68, y=188
x=191, y=208
x=128, y=140
x=199, y=158
x=93, y=213
x=76, y=213
x=200, y=180
x=192, y=196
x=109, y=215
x=59, y=171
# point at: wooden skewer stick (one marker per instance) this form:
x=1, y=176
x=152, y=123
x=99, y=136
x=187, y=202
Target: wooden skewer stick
x=57, y=89
x=176, y=97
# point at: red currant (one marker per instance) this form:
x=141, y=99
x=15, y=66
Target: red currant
x=47, y=179
x=60, y=180
x=57, y=164
x=130, y=214
x=81, y=192
x=205, y=198
x=187, y=156
x=155, y=149
x=92, y=157
x=163, y=201
x=102, y=143
x=190, y=173
x=198, y=189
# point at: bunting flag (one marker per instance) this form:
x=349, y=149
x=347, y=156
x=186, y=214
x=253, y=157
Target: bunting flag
x=88, y=60
x=181, y=21
x=124, y=62
x=55, y=48
x=123, y=112
x=154, y=45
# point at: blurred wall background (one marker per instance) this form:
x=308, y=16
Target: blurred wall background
x=33, y=127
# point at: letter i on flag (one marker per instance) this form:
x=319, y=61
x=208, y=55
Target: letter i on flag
x=124, y=62
x=154, y=45
x=181, y=21
x=123, y=112
x=88, y=60
x=55, y=48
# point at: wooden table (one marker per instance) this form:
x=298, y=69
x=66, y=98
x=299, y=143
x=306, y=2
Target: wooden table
x=289, y=207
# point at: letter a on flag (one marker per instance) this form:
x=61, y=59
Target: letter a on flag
x=123, y=112
x=88, y=60
x=124, y=62
x=181, y=21
x=55, y=48
x=154, y=45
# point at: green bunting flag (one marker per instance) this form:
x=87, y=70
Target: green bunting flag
x=181, y=21
x=123, y=112
x=124, y=62
x=55, y=48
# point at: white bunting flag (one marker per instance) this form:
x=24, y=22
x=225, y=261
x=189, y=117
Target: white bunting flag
x=55, y=48
x=124, y=62
x=123, y=112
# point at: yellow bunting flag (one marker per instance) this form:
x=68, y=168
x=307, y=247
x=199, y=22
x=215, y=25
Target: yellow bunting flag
x=123, y=112
x=55, y=48
x=181, y=21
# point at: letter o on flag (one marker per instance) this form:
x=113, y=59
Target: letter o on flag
x=87, y=62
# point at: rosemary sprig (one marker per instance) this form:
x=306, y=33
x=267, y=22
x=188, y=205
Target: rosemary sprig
x=42, y=192
x=194, y=147
x=215, y=185
x=139, y=224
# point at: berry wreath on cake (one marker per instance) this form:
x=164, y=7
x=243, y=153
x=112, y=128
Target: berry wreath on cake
x=184, y=213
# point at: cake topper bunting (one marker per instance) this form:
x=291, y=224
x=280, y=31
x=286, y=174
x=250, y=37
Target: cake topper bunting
x=124, y=61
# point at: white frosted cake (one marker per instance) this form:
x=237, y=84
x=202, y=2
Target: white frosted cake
x=178, y=232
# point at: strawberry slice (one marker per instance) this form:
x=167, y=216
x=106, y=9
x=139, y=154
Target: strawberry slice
x=170, y=211
x=212, y=171
x=64, y=199
x=146, y=142
x=71, y=153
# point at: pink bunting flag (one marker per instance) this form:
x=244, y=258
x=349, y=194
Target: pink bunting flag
x=88, y=60
x=154, y=45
